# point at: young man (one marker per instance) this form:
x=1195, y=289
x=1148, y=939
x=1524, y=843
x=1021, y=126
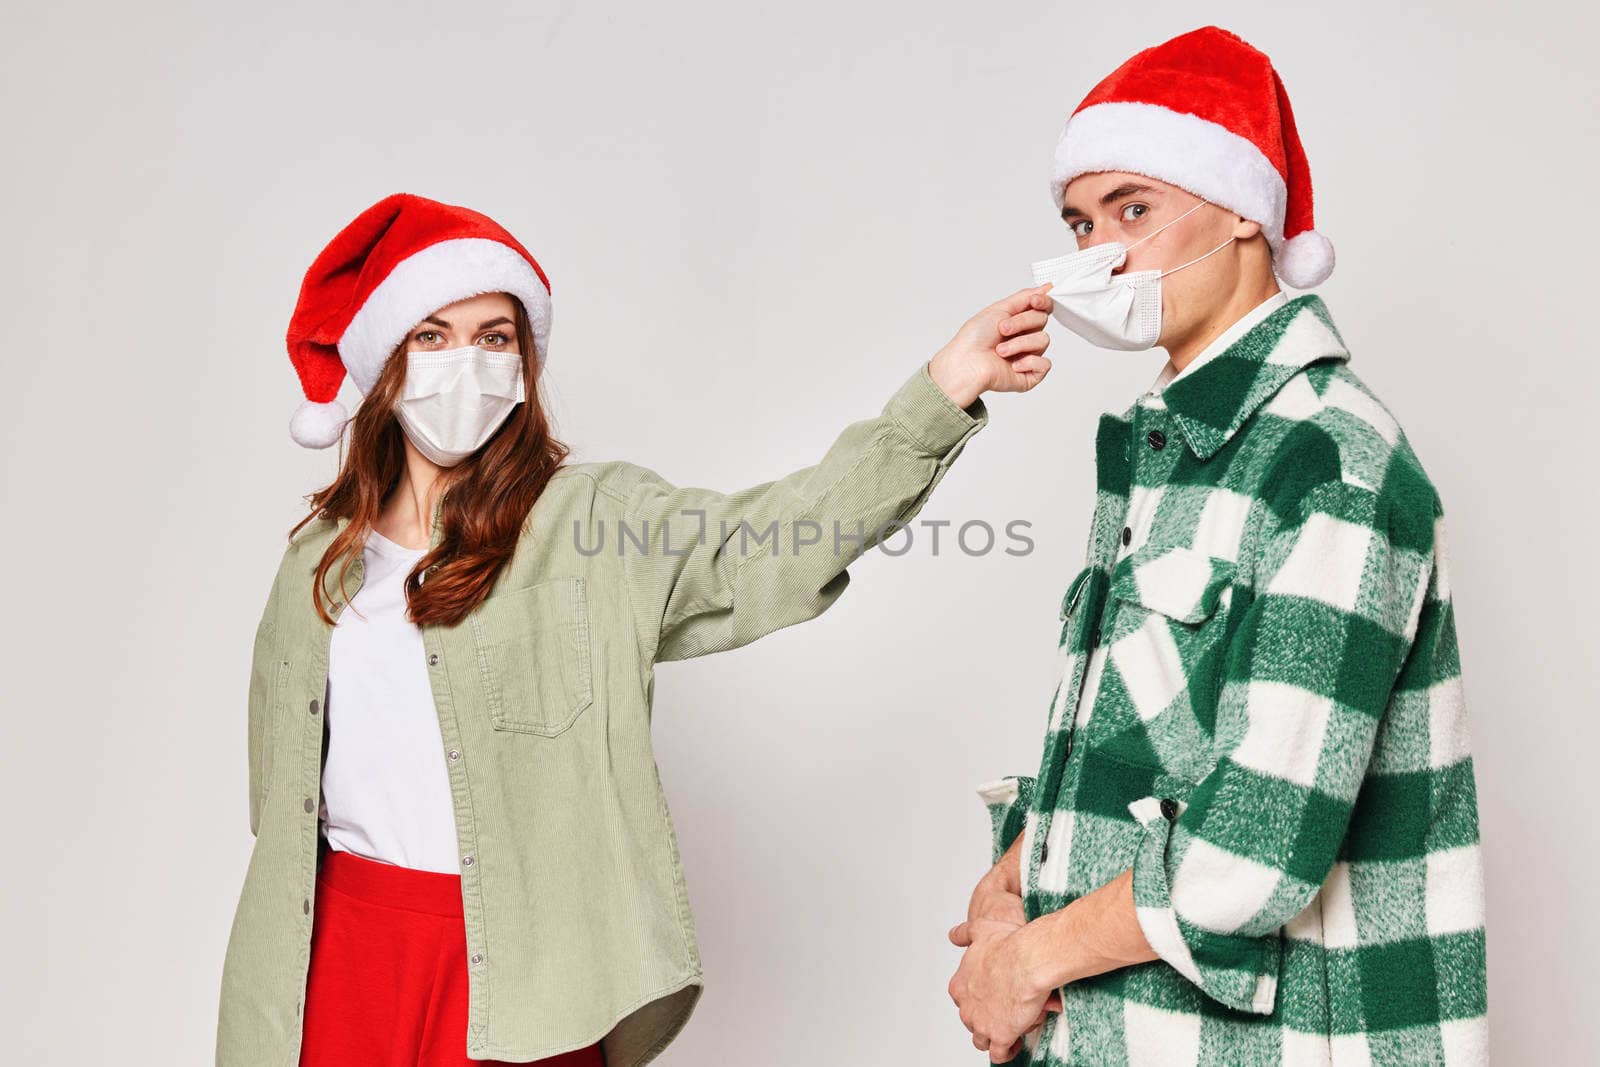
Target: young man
x=1253, y=835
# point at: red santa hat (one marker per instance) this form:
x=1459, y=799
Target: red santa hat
x=1206, y=112
x=397, y=262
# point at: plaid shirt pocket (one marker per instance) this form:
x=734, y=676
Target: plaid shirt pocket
x=1176, y=581
x=1153, y=685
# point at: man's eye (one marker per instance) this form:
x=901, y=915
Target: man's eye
x=1135, y=212
x=1081, y=229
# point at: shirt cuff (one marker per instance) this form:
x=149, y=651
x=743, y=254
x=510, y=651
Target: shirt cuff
x=930, y=418
x=1007, y=800
x=1238, y=970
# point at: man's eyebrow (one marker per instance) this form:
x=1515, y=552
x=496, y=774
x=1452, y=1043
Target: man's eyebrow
x=1126, y=189
x=482, y=325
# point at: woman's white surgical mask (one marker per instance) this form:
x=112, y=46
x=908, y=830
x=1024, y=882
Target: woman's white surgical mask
x=453, y=401
x=1120, y=311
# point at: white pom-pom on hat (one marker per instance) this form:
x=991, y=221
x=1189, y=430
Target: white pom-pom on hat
x=315, y=425
x=1305, y=260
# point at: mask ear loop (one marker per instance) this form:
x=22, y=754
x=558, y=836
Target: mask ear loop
x=1042, y=271
x=1164, y=225
x=1197, y=259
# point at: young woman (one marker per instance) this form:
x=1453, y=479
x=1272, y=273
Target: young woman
x=462, y=849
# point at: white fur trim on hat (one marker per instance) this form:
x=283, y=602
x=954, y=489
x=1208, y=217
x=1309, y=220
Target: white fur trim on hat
x=315, y=425
x=426, y=281
x=1177, y=148
x=1305, y=261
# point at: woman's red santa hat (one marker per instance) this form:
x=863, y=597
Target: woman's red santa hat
x=396, y=263
x=1205, y=112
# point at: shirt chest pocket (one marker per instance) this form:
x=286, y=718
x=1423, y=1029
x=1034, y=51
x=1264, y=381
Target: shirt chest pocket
x=1181, y=583
x=532, y=646
x=1166, y=652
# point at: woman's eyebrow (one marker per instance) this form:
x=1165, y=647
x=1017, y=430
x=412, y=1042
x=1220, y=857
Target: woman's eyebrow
x=482, y=325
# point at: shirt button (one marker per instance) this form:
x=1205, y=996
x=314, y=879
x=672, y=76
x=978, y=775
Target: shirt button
x=454, y=755
x=305, y=905
x=1157, y=439
x=466, y=861
x=1127, y=535
x=1094, y=638
x=314, y=705
x=310, y=805
x=476, y=958
x=1044, y=851
x=1169, y=807
x=433, y=659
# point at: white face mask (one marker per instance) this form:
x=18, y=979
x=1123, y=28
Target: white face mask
x=454, y=401
x=1113, y=311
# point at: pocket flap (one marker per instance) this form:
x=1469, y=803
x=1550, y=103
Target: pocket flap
x=1178, y=582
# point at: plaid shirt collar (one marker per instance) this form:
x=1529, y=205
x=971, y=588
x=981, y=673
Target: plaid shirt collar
x=1215, y=396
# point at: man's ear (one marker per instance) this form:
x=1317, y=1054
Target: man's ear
x=1244, y=228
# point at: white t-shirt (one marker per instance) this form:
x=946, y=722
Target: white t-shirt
x=385, y=787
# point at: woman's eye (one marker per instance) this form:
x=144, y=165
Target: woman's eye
x=1135, y=212
x=427, y=337
x=494, y=339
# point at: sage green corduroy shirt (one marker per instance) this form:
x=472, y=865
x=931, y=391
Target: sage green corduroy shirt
x=577, y=917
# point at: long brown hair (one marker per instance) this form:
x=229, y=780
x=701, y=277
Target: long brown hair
x=484, y=500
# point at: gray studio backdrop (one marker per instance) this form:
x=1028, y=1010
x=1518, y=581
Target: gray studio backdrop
x=757, y=220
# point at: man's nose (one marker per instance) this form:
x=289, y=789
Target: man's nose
x=1095, y=239
x=1098, y=239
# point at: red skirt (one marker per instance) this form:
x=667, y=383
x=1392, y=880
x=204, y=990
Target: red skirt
x=388, y=979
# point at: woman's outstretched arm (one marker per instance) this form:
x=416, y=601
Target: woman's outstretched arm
x=714, y=571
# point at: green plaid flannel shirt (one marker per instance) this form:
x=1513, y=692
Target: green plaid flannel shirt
x=1260, y=711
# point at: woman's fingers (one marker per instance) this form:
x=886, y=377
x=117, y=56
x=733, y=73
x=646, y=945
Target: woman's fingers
x=1028, y=342
x=1023, y=299
x=1026, y=372
x=1027, y=320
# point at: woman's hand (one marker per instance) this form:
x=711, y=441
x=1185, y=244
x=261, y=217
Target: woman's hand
x=1000, y=348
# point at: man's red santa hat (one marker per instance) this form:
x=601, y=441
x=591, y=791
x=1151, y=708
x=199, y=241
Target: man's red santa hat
x=1205, y=112
x=397, y=262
